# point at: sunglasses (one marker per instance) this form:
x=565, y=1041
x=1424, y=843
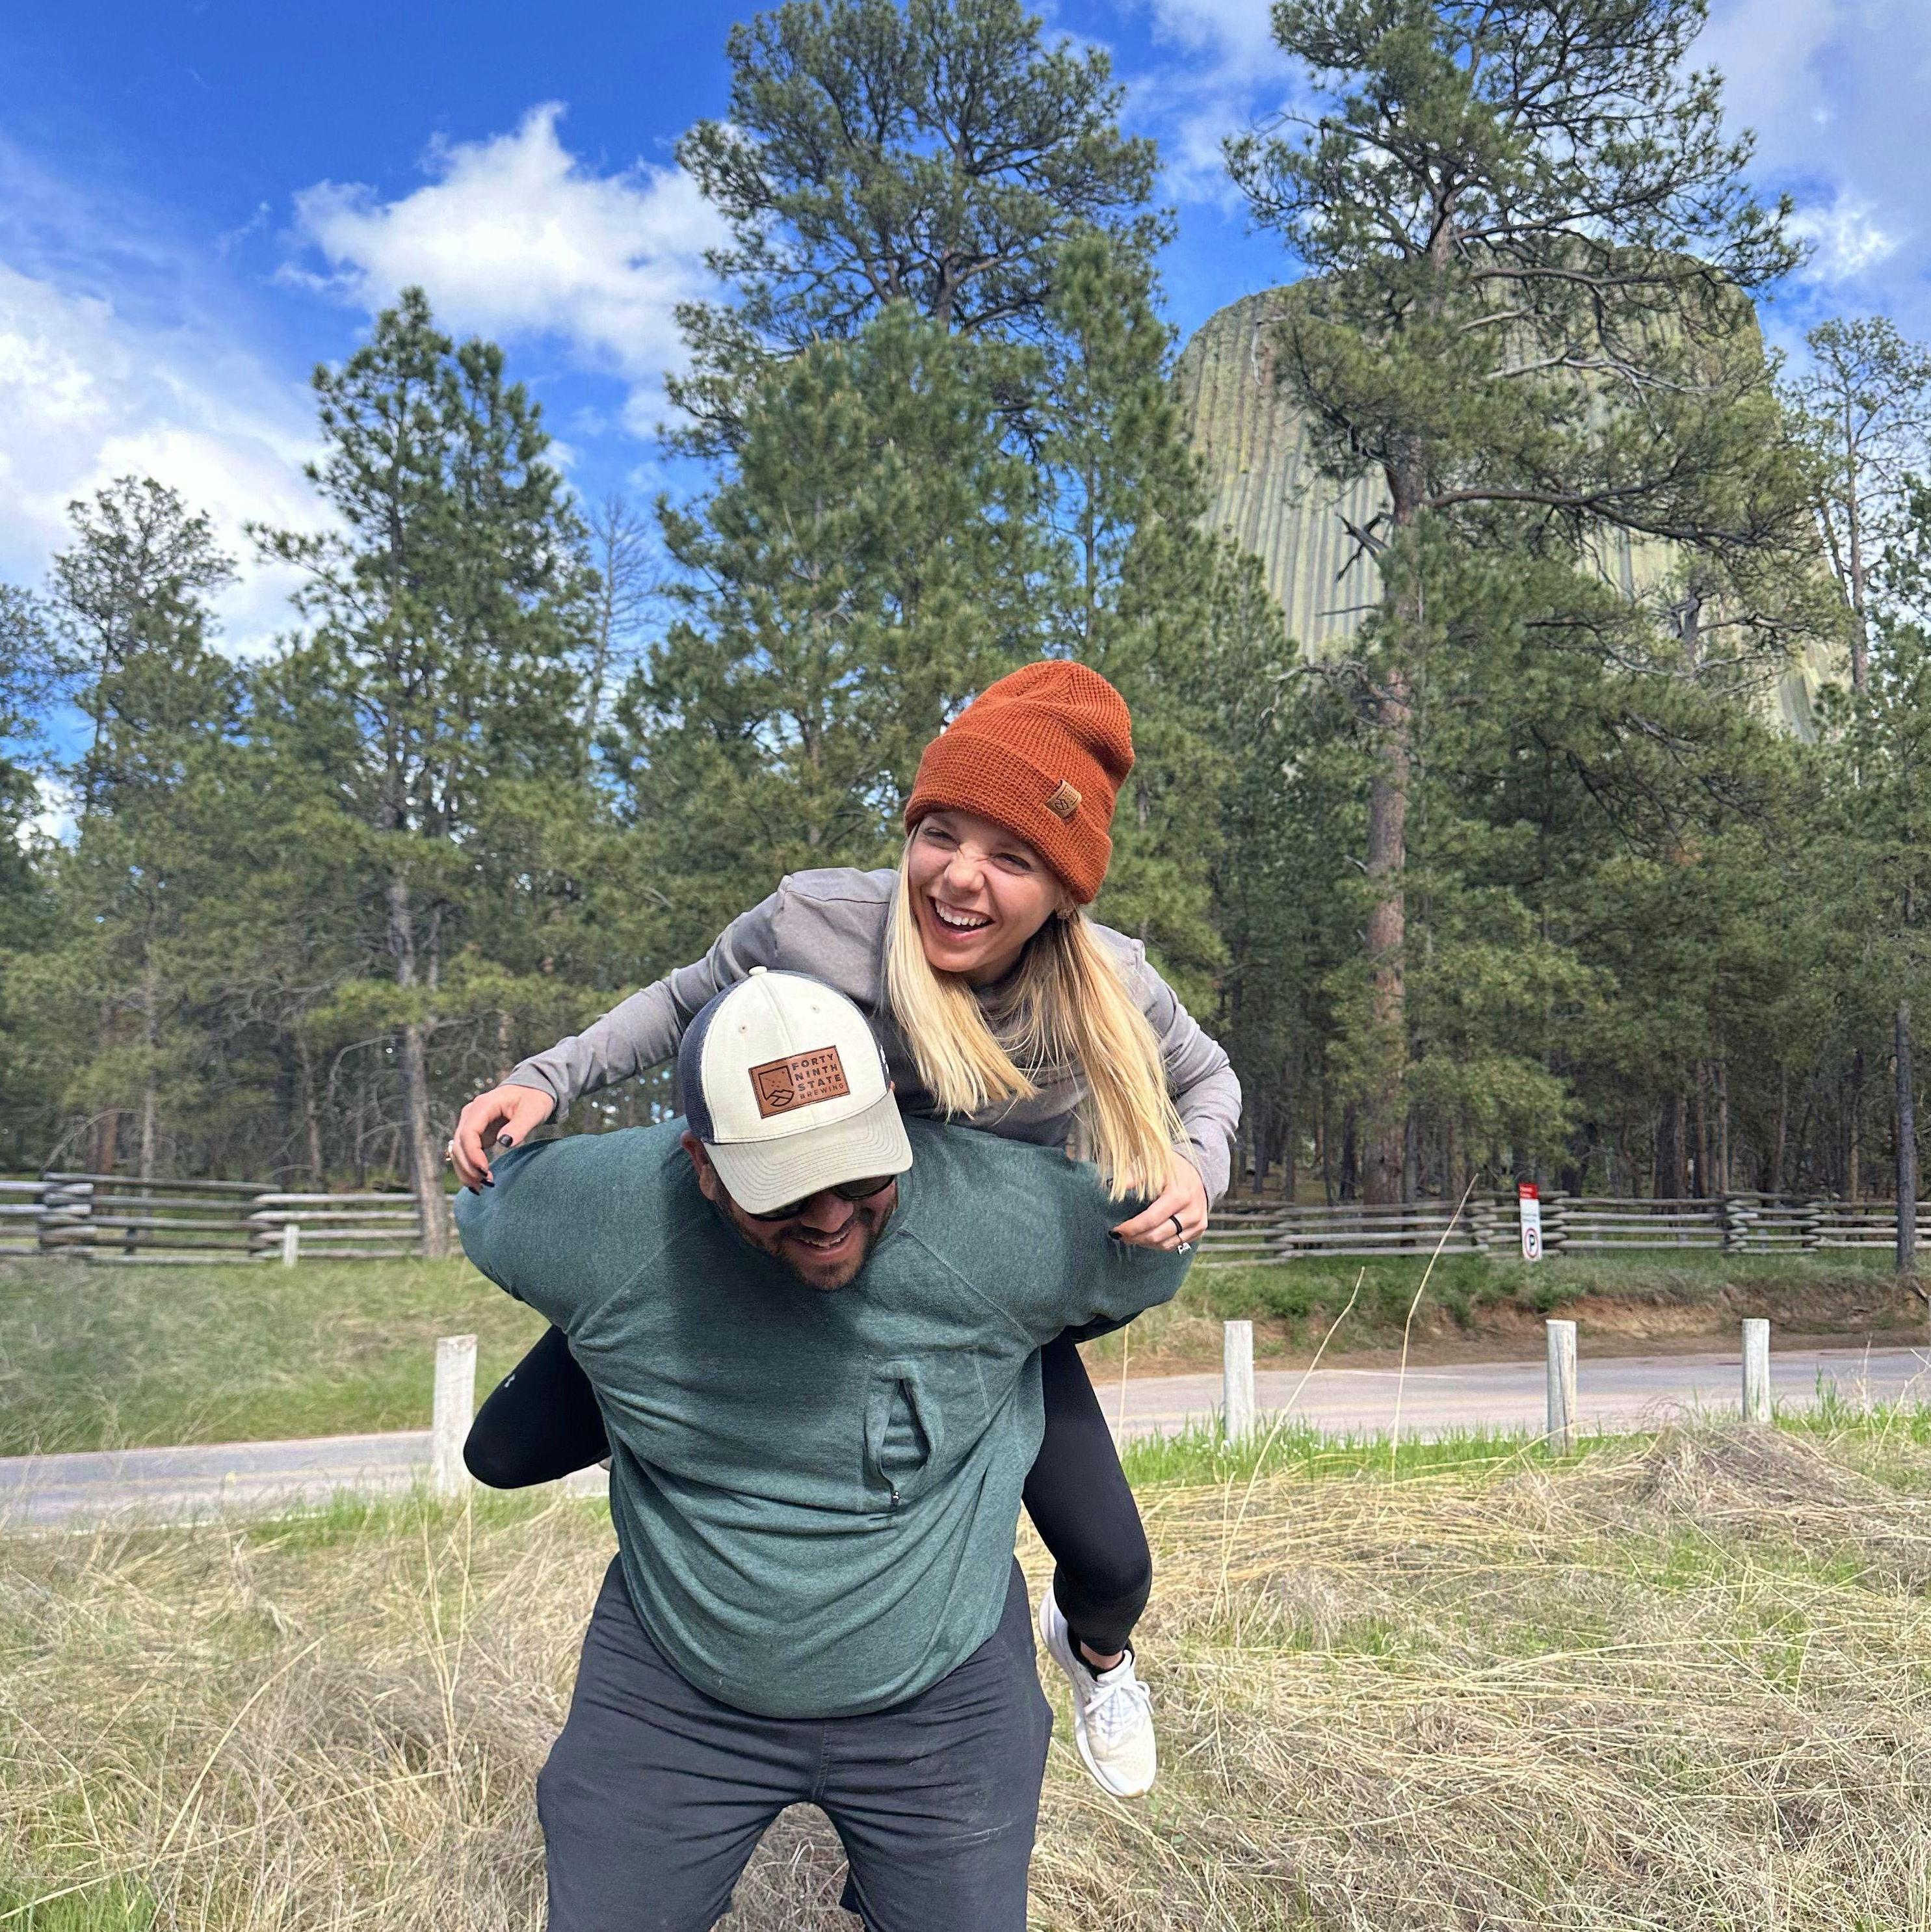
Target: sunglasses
x=845, y=1190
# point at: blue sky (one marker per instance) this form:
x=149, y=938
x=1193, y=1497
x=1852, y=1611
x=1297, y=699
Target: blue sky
x=199, y=201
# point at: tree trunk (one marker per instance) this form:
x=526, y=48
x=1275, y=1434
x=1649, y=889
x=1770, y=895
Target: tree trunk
x=1351, y=1164
x=1781, y=1145
x=103, y=1148
x=1669, y=1176
x=425, y=1168
x=1700, y=1187
x=150, y=1034
x=1907, y=1145
x=1860, y=674
x=1384, y=1147
x=311, y=1113
x=1722, y=1163
x=1854, y=1138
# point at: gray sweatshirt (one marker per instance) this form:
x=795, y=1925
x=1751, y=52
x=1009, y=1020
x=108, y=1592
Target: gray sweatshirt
x=832, y=925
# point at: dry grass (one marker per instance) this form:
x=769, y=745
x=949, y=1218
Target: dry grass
x=1680, y=1684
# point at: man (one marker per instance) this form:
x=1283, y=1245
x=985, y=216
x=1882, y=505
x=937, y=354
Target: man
x=812, y=1327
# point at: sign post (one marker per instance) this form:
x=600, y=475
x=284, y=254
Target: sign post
x=1528, y=1197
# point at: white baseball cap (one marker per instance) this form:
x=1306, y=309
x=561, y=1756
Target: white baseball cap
x=781, y=1079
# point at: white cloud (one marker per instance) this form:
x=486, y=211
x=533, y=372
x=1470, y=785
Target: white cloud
x=514, y=236
x=1834, y=91
x=1229, y=73
x=1846, y=240
x=54, y=818
x=88, y=394
x=1230, y=29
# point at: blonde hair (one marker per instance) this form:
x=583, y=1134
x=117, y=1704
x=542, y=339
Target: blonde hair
x=1069, y=1008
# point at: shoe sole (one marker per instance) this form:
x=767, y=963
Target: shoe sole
x=1067, y=1671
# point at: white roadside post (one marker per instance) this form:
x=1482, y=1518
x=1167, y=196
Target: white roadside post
x=1561, y=1387
x=1756, y=1371
x=1237, y=1374
x=455, y=1406
x=291, y=1242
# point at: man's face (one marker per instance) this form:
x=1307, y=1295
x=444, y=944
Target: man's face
x=824, y=1244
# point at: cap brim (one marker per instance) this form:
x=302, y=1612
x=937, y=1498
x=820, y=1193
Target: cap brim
x=760, y=1175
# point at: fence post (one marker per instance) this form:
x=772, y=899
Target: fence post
x=1554, y=1222
x=1236, y=1373
x=1561, y=1387
x=291, y=1242
x=1756, y=1371
x=455, y=1406
x=1482, y=1222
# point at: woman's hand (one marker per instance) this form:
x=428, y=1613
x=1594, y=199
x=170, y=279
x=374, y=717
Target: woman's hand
x=504, y=1116
x=1176, y=1218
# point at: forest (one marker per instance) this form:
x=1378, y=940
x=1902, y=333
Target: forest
x=1541, y=869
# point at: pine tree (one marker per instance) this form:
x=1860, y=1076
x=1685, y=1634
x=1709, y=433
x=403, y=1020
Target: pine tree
x=867, y=564
x=131, y=595
x=442, y=671
x=1525, y=233
x=933, y=153
x=1863, y=409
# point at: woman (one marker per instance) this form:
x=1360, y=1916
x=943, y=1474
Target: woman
x=999, y=1003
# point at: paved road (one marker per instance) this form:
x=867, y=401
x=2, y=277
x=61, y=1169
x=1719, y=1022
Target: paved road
x=252, y=1477
x=1618, y=1392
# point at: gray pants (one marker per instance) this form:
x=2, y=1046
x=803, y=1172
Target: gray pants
x=655, y=1796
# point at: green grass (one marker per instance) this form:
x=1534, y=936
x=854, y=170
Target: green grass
x=98, y=1357
x=1199, y=1454
x=106, y=1906
x=1468, y=1294
x=1869, y=1438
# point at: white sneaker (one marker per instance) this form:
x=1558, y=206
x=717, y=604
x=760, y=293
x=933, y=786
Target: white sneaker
x=1113, y=1711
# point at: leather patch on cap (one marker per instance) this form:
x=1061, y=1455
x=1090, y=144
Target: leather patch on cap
x=781, y=1085
x=1066, y=801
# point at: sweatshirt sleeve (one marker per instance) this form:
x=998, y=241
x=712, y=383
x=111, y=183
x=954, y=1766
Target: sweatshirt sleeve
x=511, y=1231
x=643, y=1032
x=1092, y=1283
x=1200, y=1076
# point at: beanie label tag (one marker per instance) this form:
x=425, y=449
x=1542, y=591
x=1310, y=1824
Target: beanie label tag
x=1066, y=801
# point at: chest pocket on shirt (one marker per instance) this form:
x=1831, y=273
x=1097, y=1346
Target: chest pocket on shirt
x=904, y=1432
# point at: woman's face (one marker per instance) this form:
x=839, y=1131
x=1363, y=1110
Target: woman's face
x=978, y=894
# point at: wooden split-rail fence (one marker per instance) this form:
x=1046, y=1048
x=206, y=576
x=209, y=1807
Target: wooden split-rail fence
x=100, y=1217
x=1488, y=1224
x=110, y=1218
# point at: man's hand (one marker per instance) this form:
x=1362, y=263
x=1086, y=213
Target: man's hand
x=1176, y=1218
x=504, y=1116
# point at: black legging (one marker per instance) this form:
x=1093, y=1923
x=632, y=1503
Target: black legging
x=541, y=1422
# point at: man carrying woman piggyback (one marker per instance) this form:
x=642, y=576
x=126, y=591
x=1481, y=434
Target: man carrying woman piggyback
x=1001, y=1005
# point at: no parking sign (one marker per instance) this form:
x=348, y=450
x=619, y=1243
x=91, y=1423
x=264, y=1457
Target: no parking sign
x=1528, y=1196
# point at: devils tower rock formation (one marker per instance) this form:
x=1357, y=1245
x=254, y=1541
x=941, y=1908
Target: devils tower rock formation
x=1263, y=486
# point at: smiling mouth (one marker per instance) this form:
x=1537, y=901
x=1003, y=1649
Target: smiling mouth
x=822, y=1244
x=958, y=922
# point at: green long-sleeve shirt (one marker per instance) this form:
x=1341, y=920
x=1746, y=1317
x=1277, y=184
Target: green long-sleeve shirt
x=815, y=1493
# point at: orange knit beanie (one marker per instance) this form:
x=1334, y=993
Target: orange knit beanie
x=1043, y=752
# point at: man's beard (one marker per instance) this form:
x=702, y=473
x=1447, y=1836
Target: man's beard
x=796, y=1257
